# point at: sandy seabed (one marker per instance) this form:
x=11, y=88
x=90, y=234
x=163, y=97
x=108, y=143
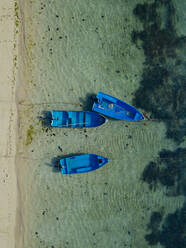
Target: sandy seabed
x=40, y=208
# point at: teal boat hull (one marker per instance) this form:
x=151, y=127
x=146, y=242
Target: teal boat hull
x=115, y=108
x=82, y=163
x=76, y=119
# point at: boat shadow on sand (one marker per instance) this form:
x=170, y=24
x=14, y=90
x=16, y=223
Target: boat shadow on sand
x=55, y=165
x=87, y=104
x=46, y=118
x=88, y=101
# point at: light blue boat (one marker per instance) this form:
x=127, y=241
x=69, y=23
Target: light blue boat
x=115, y=108
x=82, y=163
x=76, y=119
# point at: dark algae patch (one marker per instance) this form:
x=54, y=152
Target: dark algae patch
x=151, y=174
x=162, y=90
x=29, y=135
x=172, y=231
x=155, y=220
x=168, y=170
x=162, y=93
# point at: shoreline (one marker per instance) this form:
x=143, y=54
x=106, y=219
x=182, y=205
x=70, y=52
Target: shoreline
x=23, y=78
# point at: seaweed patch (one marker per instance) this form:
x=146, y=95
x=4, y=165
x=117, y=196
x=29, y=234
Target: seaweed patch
x=162, y=90
x=168, y=170
x=29, y=135
x=162, y=93
x=172, y=231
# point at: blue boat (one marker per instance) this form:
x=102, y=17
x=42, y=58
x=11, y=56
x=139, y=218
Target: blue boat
x=76, y=119
x=115, y=108
x=82, y=163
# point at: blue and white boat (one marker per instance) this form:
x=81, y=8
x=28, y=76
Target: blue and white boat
x=76, y=119
x=82, y=163
x=115, y=108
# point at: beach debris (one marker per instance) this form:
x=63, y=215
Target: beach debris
x=146, y=116
x=59, y=147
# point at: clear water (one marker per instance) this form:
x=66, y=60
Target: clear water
x=73, y=49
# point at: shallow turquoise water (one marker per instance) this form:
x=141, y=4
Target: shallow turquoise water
x=82, y=47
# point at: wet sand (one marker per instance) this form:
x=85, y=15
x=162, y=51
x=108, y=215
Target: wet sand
x=72, y=50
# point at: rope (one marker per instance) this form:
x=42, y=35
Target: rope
x=40, y=159
x=79, y=104
x=48, y=103
x=71, y=124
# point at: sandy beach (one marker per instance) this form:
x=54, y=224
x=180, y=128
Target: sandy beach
x=8, y=182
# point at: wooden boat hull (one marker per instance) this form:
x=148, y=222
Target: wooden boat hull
x=76, y=119
x=115, y=108
x=82, y=163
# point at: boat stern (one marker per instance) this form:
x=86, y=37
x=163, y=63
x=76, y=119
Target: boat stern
x=63, y=167
x=54, y=120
